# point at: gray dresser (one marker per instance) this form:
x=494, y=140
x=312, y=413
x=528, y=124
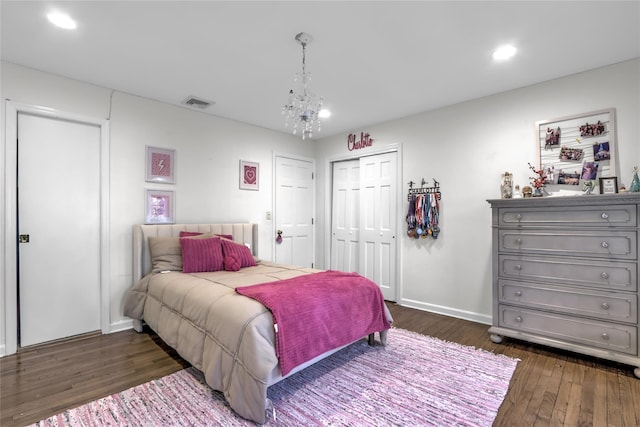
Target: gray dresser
x=565, y=273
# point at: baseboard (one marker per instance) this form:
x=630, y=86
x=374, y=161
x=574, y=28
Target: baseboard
x=122, y=325
x=447, y=311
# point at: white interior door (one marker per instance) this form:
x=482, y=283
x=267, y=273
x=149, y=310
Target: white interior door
x=345, y=207
x=378, y=219
x=59, y=210
x=294, y=211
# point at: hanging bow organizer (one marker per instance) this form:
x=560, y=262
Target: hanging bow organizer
x=423, y=214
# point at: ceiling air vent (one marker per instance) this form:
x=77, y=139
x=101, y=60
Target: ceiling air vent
x=198, y=103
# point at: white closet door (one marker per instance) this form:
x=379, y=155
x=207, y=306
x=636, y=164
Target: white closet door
x=345, y=233
x=294, y=211
x=59, y=209
x=378, y=220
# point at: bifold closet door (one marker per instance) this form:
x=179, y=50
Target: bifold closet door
x=378, y=218
x=364, y=219
x=345, y=214
x=59, y=228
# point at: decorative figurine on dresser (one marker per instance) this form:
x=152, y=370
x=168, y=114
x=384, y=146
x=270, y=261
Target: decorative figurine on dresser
x=635, y=181
x=506, y=186
x=565, y=273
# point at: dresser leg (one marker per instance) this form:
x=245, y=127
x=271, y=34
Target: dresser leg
x=496, y=338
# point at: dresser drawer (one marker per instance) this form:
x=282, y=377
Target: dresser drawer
x=616, y=306
x=600, y=334
x=614, y=275
x=573, y=216
x=601, y=244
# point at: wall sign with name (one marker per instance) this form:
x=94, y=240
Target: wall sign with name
x=364, y=142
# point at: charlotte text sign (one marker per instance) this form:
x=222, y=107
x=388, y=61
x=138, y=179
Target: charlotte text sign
x=354, y=144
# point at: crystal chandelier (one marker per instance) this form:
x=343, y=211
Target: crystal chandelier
x=304, y=106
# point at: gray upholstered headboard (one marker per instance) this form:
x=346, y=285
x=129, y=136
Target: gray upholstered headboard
x=242, y=233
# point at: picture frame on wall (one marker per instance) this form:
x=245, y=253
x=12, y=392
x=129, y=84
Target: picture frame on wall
x=609, y=185
x=159, y=207
x=249, y=175
x=567, y=143
x=161, y=165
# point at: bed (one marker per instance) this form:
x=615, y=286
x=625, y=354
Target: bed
x=218, y=321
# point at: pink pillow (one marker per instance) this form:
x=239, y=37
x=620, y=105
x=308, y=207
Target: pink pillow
x=199, y=255
x=241, y=251
x=231, y=262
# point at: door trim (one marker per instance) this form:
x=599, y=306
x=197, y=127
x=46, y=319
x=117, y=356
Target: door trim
x=395, y=147
x=12, y=109
x=277, y=155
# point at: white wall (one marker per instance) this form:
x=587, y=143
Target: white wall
x=467, y=147
x=208, y=150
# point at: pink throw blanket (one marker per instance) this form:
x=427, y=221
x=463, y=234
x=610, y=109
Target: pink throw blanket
x=318, y=312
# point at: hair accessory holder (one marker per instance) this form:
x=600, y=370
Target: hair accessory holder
x=423, y=214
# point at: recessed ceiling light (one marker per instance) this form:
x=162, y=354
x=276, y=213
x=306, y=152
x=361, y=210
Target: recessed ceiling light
x=62, y=20
x=324, y=113
x=504, y=52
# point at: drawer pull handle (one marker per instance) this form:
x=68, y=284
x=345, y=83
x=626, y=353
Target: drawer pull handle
x=518, y=267
x=518, y=293
x=604, y=215
x=605, y=336
x=519, y=319
x=604, y=275
x=605, y=245
x=518, y=217
x=518, y=240
x=605, y=306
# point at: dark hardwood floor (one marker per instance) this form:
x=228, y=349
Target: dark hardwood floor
x=549, y=387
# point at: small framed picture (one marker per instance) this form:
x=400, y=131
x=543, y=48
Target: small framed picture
x=159, y=207
x=161, y=165
x=249, y=175
x=609, y=185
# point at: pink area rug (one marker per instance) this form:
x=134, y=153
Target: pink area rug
x=415, y=380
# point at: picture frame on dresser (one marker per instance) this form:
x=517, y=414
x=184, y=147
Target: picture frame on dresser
x=609, y=185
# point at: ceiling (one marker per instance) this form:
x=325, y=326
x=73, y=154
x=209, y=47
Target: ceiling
x=372, y=61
